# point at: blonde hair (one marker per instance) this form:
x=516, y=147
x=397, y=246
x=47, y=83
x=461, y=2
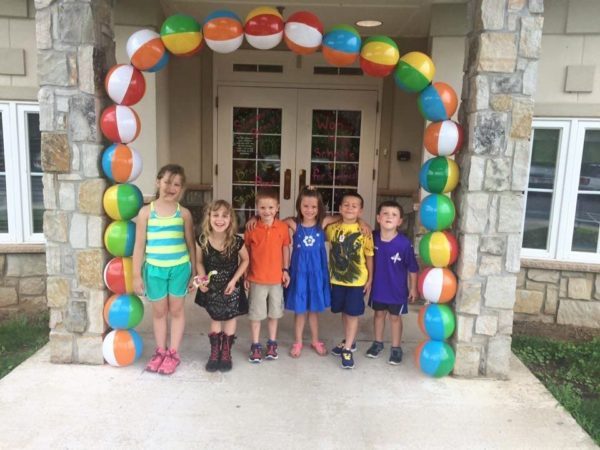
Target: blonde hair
x=206, y=229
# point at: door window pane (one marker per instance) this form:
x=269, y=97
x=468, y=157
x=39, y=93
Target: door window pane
x=587, y=223
x=543, y=158
x=537, y=220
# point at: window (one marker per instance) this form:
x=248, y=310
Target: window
x=21, y=190
x=562, y=212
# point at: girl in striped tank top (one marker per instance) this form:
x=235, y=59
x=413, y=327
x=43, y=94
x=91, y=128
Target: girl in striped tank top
x=162, y=264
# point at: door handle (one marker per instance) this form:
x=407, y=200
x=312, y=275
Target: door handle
x=287, y=182
x=301, y=180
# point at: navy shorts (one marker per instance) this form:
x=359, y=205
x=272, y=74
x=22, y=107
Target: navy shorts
x=395, y=309
x=348, y=299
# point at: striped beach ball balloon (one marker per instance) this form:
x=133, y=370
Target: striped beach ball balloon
x=435, y=358
x=118, y=275
x=223, y=31
x=378, y=56
x=119, y=238
x=121, y=163
x=120, y=124
x=414, y=72
x=146, y=51
x=122, y=311
x=443, y=138
x=439, y=175
x=438, y=101
x=438, y=249
x=264, y=28
x=303, y=33
x=341, y=45
x=181, y=35
x=122, y=347
x=437, y=285
x=437, y=212
x=124, y=84
x=122, y=201
x=437, y=321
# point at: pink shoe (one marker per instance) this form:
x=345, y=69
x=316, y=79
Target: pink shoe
x=169, y=363
x=156, y=360
x=319, y=347
x=296, y=350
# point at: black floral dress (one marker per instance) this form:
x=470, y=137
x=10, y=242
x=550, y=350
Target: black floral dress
x=218, y=305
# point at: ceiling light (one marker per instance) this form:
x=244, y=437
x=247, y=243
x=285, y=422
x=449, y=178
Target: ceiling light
x=369, y=23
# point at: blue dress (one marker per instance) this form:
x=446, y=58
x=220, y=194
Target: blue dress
x=309, y=289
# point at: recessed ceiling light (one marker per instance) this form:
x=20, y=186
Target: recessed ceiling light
x=369, y=23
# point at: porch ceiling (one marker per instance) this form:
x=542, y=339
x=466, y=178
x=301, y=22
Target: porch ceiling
x=401, y=18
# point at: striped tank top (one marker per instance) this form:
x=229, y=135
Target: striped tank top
x=165, y=240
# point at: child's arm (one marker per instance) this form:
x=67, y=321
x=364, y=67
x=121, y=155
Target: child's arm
x=365, y=228
x=369, y=262
x=244, y=259
x=290, y=222
x=413, y=293
x=285, y=276
x=188, y=223
x=200, y=269
x=139, y=250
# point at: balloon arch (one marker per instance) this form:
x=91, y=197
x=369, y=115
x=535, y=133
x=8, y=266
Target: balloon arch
x=264, y=28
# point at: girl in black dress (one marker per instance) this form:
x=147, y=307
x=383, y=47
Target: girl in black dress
x=222, y=255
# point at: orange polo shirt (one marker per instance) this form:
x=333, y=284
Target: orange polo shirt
x=265, y=245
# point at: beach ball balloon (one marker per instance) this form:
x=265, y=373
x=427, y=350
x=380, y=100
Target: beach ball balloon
x=146, y=51
x=263, y=28
x=437, y=321
x=378, y=56
x=438, y=249
x=122, y=311
x=439, y=175
x=223, y=31
x=414, y=72
x=122, y=201
x=119, y=238
x=437, y=212
x=443, y=138
x=181, y=35
x=435, y=358
x=118, y=275
x=122, y=347
x=341, y=45
x=124, y=84
x=120, y=124
x=437, y=285
x=303, y=33
x=121, y=163
x=438, y=101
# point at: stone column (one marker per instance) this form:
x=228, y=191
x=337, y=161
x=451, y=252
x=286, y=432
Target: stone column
x=501, y=61
x=75, y=47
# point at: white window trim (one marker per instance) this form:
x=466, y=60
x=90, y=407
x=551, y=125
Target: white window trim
x=564, y=201
x=18, y=174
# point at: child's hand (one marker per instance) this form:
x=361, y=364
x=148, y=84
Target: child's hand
x=246, y=284
x=230, y=287
x=413, y=295
x=251, y=223
x=138, y=286
x=285, y=279
x=365, y=228
x=367, y=289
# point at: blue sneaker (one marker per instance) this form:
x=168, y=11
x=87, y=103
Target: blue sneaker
x=337, y=350
x=347, y=359
x=375, y=349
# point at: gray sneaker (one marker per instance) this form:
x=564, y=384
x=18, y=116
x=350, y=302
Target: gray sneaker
x=375, y=349
x=395, y=356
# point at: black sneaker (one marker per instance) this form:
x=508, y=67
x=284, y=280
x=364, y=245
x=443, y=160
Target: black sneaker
x=347, y=359
x=271, y=350
x=375, y=349
x=395, y=356
x=255, y=353
x=337, y=350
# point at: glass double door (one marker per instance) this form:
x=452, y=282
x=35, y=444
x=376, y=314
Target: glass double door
x=284, y=139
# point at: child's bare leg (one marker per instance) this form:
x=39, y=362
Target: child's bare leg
x=177, y=321
x=272, y=325
x=313, y=323
x=379, y=325
x=396, y=326
x=299, y=321
x=159, y=322
x=229, y=326
x=215, y=326
x=350, y=330
x=255, y=331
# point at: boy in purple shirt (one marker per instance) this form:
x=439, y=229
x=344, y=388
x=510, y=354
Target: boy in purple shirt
x=394, y=281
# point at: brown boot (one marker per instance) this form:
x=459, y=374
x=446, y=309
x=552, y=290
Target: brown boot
x=226, y=344
x=215, y=352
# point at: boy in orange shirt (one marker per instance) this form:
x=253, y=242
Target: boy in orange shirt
x=268, y=245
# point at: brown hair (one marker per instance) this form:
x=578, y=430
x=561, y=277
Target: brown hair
x=309, y=191
x=172, y=170
x=267, y=193
x=355, y=195
x=390, y=204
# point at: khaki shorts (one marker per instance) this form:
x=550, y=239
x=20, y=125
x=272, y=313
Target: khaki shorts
x=266, y=300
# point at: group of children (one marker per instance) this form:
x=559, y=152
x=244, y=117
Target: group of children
x=256, y=275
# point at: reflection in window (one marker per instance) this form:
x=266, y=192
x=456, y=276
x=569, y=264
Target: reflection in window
x=35, y=164
x=3, y=206
x=537, y=220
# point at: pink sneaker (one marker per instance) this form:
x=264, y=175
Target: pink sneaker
x=169, y=363
x=156, y=360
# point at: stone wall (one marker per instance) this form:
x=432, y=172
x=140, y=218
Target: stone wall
x=566, y=297
x=22, y=283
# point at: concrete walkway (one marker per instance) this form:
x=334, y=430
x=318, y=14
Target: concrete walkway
x=305, y=403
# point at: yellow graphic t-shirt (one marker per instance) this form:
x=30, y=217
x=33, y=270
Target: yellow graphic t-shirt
x=347, y=262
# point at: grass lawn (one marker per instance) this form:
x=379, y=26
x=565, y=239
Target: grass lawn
x=570, y=371
x=20, y=338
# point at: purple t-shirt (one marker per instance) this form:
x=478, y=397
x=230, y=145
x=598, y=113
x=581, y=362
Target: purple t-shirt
x=391, y=264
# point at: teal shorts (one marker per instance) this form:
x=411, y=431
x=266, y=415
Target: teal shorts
x=163, y=281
